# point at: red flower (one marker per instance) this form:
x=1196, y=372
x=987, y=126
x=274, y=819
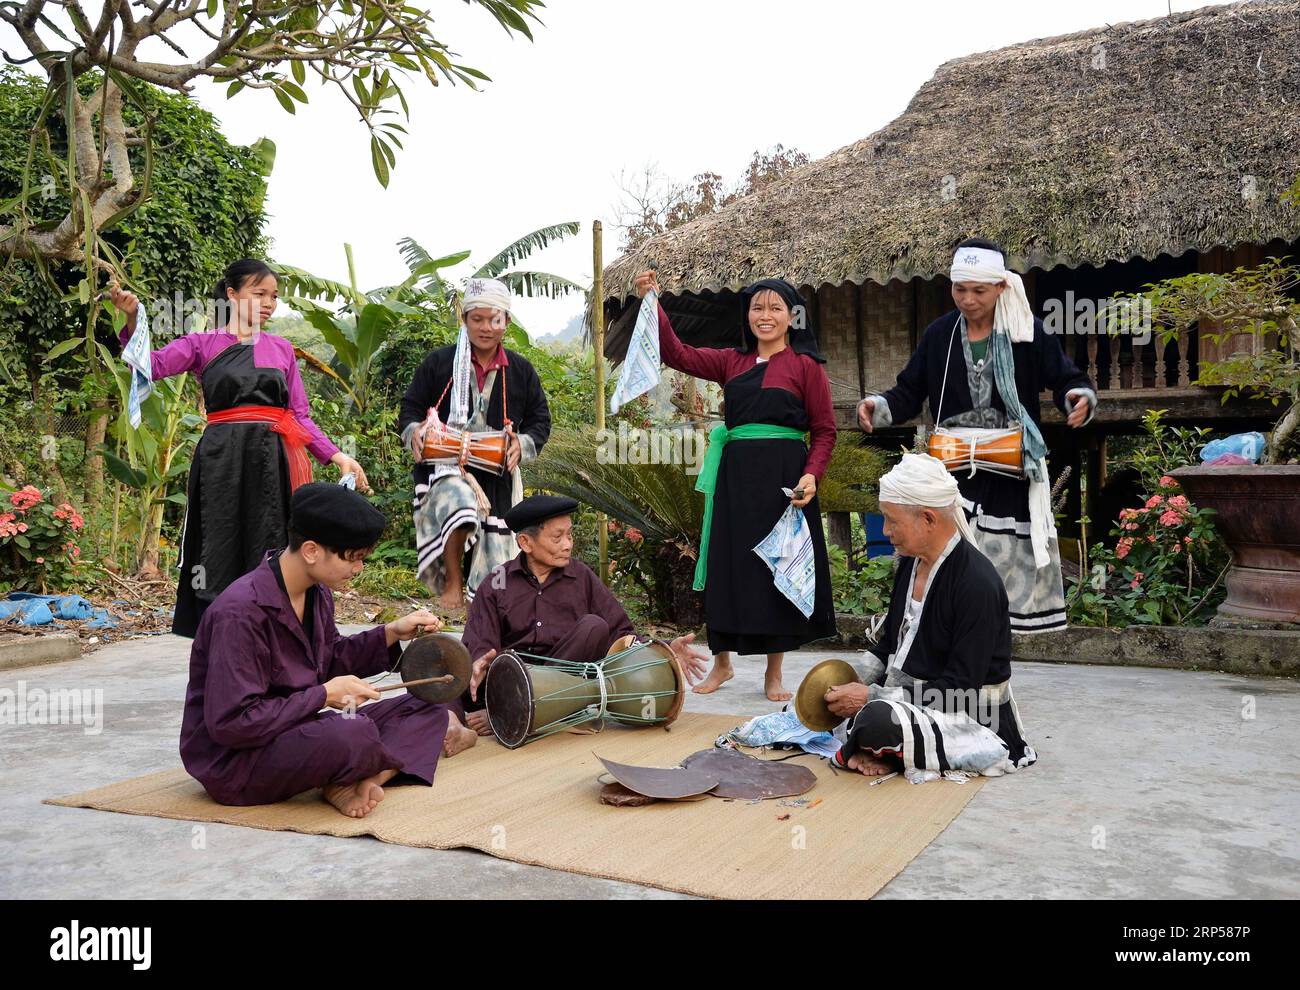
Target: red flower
x=633, y=536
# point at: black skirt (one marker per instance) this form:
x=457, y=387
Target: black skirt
x=743, y=609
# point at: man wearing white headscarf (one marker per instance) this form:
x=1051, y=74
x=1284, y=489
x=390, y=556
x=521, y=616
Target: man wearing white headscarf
x=935, y=692
x=475, y=385
x=983, y=366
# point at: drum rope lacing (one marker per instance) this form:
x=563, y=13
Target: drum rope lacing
x=585, y=669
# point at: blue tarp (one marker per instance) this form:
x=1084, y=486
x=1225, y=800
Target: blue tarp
x=39, y=610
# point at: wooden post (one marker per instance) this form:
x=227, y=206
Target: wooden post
x=598, y=346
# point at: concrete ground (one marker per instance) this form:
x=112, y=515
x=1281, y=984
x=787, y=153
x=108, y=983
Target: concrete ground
x=1151, y=784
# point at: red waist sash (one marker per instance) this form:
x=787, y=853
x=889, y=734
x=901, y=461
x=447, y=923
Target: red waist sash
x=282, y=421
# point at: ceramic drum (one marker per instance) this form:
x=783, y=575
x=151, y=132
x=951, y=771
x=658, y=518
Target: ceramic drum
x=644, y=685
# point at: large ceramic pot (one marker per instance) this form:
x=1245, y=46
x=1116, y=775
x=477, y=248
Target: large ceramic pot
x=1257, y=511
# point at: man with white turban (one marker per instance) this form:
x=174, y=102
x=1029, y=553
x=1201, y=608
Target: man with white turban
x=935, y=692
x=982, y=366
x=475, y=385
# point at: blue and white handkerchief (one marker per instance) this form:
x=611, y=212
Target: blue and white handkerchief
x=136, y=355
x=788, y=553
x=641, y=365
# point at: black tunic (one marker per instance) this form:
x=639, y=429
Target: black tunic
x=238, y=491
x=743, y=609
x=963, y=641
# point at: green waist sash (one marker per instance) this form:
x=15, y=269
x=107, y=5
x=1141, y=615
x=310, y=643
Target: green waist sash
x=707, y=482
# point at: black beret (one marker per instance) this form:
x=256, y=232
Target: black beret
x=335, y=517
x=536, y=509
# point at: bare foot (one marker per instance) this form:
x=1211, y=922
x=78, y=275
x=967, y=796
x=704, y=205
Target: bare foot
x=718, y=676
x=868, y=765
x=775, y=689
x=355, y=800
x=458, y=738
x=478, y=721
x=451, y=599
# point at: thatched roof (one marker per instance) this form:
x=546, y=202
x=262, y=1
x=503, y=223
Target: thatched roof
x=1136, y=140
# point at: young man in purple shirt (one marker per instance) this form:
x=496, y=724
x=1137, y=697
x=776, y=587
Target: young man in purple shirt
x=267, y=658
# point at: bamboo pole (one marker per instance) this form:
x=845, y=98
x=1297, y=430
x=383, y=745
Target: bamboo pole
x=598, y=346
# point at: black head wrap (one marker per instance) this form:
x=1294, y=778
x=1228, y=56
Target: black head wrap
x=802, y=341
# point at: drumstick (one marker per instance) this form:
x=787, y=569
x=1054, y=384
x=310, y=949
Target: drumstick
x=444, y=679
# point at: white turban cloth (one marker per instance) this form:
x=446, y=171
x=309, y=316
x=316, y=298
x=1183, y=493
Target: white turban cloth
x=486, y=293
x=919, y=479
x=1012, y=313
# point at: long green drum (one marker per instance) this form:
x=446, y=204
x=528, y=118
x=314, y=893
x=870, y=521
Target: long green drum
x=526, y=700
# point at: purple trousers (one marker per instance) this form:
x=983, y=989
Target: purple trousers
x=403, y=734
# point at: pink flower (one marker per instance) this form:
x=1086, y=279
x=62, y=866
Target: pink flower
x=1137, y=579
x=1179, y=502
x=613, y=526
x=1125, y=514
x=633, y=536
x=40, y=560
x=1168, y=482
x=1153, y=501
x=1151, y=538
x=1123, y=547
x=1130, y=525
x=60, y=514
x=22, y=527
x=25, y=497
x=1170, y=518
x=77, y=521
x=1187, y=539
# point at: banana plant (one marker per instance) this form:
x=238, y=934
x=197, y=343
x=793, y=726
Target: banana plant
x=357, y=331
x=151, y=458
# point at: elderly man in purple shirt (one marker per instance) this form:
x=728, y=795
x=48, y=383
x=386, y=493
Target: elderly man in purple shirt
x=546, y=603
x=267, y=658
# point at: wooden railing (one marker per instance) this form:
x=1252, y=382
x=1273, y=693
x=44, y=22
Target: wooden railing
x=1116, y=369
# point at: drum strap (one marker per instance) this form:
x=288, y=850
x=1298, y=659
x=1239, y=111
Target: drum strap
x=938, y=413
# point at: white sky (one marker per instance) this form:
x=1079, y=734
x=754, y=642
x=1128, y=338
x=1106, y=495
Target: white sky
x=609, y=86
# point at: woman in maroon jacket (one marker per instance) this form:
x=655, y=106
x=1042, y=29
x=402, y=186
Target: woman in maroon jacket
x=775, y=378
